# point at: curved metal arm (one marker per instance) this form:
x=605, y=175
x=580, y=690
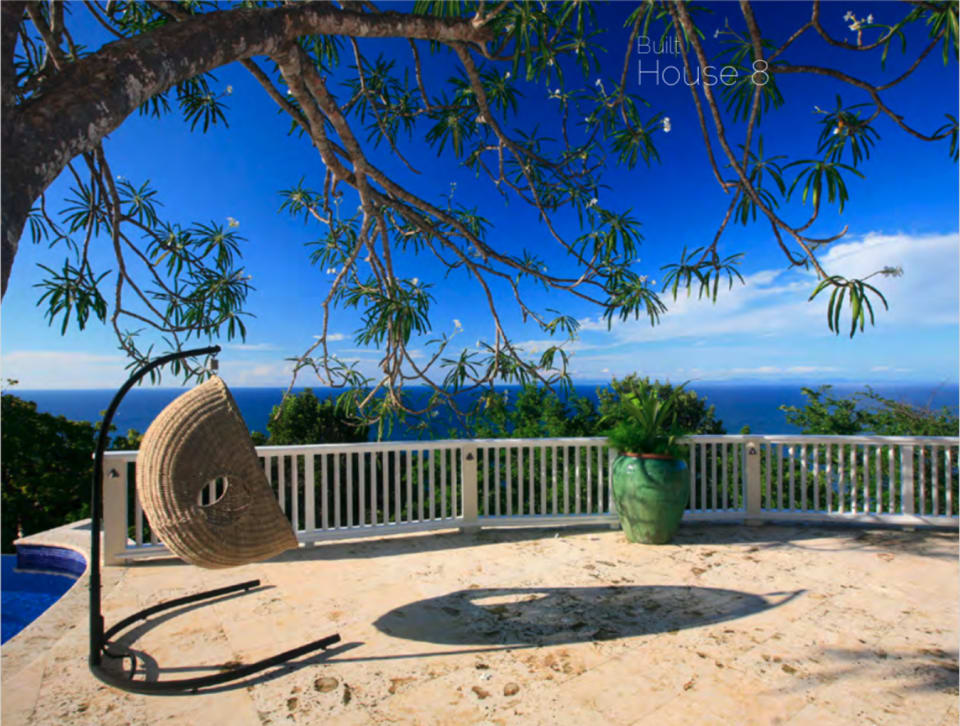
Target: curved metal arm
x=96, y=502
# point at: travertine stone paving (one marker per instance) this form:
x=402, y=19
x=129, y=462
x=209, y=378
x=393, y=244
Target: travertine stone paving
x=727, y=625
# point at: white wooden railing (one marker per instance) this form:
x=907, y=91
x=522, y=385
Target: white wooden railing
x=334, y=491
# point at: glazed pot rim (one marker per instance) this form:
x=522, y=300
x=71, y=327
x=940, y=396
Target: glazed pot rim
x=632, y=455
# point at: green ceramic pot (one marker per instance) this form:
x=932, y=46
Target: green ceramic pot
x=651, y=492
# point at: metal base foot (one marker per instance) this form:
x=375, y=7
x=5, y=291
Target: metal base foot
x=127, y=683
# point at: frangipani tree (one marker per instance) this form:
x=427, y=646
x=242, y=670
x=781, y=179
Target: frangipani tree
x=350, y=77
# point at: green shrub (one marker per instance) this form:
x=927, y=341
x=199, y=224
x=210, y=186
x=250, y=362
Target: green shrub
x=47, y=467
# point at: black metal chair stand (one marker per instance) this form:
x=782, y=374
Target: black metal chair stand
x=100, y=639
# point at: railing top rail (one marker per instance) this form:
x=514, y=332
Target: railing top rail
x=816, y=438
x=580, y=441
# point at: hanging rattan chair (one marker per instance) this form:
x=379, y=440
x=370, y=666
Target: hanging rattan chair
x=199, y=443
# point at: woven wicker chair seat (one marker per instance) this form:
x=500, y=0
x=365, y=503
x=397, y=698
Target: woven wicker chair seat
x=198, y=439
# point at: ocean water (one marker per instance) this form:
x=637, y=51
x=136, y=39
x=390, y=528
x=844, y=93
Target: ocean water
x=736, y=405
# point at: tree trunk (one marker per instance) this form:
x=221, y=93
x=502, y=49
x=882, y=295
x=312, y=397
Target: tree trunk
x=74, y=110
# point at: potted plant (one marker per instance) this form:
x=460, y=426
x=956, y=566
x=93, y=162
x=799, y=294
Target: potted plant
x=650, y=484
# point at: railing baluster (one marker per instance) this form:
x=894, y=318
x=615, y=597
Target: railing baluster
x=829, y=478
x=294, y=491
x=544, y=507
x=443, y=483
x=803, y=478
x=484, y=455
x=703, y=477
x=309, y=493
x=854, y=460
x=692, y=466
x=610, y=460
x=508, y=479
x=791, y=459
x=520, y=480
x=740, y=480
x=922, y=476
x=531, y=505
x=324, y=495
x=336, y=491
x=137, y=518
x=408, y=455
x=566, y=480
x=497, y=479
x=576, y=478
x=768, y=476
x=715, y=479
x=588, y=456
x=948, y=475
x=724, y=476
x=555, y=485
x=779, y=477
x=349, y=489
x=892, y=479
x=935, y=453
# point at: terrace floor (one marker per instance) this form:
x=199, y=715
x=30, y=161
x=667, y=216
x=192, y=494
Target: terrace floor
x=727, y=625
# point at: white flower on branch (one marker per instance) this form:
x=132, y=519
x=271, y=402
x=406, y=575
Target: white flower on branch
x=591, y=203
x=869, y=18
x=456, y=324
x=231, y=222
x=229, y=90
x=666, y=124
x=331, y=270
x=849, y=15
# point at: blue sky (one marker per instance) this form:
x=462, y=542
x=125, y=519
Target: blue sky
x=904, y=213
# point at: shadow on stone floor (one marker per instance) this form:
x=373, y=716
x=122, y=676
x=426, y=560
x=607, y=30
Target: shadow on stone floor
x=562, y=615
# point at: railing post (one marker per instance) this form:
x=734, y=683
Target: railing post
x=906, y=480
x=114, y=511
x=468, y=486
x=752, y=482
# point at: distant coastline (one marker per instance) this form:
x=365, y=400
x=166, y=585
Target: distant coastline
x=737, y=404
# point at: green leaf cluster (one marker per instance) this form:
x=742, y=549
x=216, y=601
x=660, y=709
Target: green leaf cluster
x=867, y=412
x=860, y=304
x=646, y=425
x=305, y=419
x=533, y=412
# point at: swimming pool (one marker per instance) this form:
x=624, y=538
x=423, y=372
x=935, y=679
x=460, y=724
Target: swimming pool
x=31, y=581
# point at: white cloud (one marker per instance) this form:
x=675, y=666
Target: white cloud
x=56, y=357
x=927, y=294
x=774, y=302
x=36, y=369
x=250, y=347
x=332, y=337
x=240, y=373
